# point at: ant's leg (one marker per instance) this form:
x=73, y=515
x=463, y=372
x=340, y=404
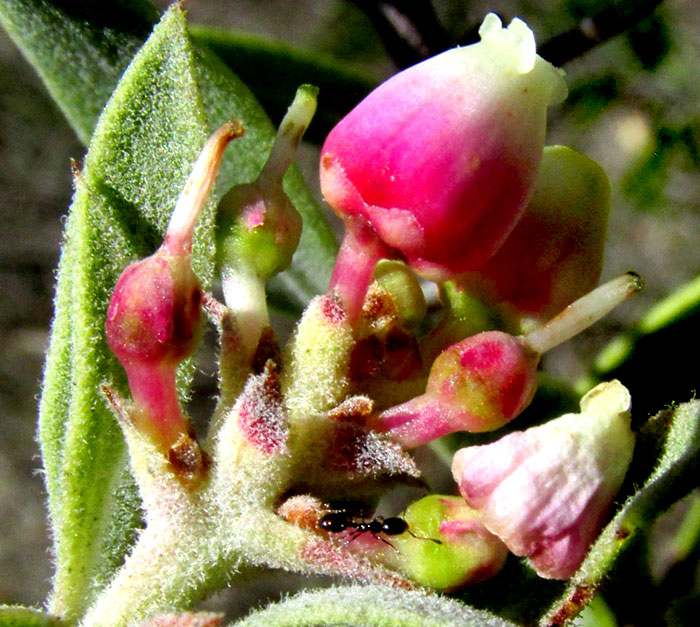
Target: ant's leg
x=352, y=534
x=385, y=541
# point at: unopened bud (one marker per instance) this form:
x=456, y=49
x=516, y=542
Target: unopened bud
x=154, y=316
x=397, y=278
x=437, y=164
x=448, y=547
x=484, y=381
x=555, y=253
x=258, y=228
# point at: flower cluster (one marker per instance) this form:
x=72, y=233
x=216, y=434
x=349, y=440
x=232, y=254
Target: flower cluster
x=443, y=172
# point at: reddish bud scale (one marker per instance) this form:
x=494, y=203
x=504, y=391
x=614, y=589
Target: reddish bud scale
x=262, y=418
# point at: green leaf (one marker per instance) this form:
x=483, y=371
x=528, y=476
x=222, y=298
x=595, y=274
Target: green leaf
x=668, y=455
x=90, y=46
x=140, y=155
x=79, y=49
x=18, y=616
x=370, y=606
x=650, y=41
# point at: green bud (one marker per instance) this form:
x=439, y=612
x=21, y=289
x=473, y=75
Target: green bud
x=258, y=228
x=399, y=280
x=447, y=546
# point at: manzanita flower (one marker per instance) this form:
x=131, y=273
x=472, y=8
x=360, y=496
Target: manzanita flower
x=546, y=491
x=154, y=316
x=484, y=381
x=555, y=253
x=437, y=164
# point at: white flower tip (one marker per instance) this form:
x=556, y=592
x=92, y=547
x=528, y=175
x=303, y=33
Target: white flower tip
x=491, y=27
x=516, y=36
x=519, y=41
x=608, y=398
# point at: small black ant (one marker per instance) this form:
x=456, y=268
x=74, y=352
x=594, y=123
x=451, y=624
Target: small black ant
x=337, y=522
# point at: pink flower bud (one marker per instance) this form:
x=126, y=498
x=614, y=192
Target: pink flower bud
x=546, y=491
x=438, y=163
x=478, y=384
x=153, y=323
x=154, y=315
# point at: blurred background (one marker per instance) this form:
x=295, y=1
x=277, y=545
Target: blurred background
x=633, y=106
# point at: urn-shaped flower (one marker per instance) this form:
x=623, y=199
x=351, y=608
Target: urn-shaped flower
x=440, y=161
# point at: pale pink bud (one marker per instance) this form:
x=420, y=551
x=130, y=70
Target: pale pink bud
x=546, y=491
x=438, y=163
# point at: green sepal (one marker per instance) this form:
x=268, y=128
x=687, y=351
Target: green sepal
x=240, y=247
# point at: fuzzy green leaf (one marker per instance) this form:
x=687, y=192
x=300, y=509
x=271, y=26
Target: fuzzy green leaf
x=273, y=71
x=140, y=155
x=79, y=49
x=668, y=455
x=370, y=606
x=18, y=616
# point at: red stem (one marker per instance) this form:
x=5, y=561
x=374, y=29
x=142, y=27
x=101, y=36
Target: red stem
x=359, y=254
x=155, y=393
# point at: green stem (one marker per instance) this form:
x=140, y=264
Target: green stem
x=244, y=294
